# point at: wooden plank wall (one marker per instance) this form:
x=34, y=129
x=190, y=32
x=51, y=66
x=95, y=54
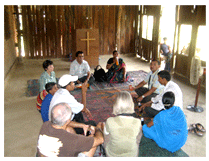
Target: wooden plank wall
x=105, y=18
x=47, y=29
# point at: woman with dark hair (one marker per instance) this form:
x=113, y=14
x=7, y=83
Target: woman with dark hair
x=116, y=69
x=169, y=127
x=48, y=75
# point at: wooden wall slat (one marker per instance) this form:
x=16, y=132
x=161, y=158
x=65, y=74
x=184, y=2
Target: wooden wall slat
x=106, y=26
x=68, y=19
x=43, y=33
x=47, y=29
x=101, y=28
x=34, y=30
x=58, y=31
x=30, y=19
x=111, y=29
x=53, y=30
x=38, y=31
x=25, y=31
x=122, y=31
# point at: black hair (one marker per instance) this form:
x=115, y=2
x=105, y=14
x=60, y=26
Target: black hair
x=157, y=60
x=49, y=86
x=64, y=87
x=168, y=99
x=47, y=63
x=164, y=74
x=78, y=52
x=115, y=51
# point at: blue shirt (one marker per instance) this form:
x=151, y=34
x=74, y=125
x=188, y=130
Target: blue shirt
x=45, y=107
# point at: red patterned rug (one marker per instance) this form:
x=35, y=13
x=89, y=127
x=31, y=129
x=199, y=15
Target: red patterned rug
x=101, y=95
x=99, y=103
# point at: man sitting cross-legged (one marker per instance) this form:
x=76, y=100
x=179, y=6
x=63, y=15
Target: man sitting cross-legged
x=79, y=67
x=153, y=107
x=154, y=87
x=58, y=139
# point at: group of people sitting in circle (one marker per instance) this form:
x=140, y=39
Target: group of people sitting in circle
x=66, y=133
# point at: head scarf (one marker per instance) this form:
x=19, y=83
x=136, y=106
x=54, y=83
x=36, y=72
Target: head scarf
x=169, y=130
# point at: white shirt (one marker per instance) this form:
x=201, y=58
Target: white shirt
x=79, y=70
x=172, y=87
x=64, y=96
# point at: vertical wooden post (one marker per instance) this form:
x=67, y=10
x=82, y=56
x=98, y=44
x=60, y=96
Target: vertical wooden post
x=38, y=29
x=18, y=31
x=25, y=31
x=155, y=37
x=43, y=33
x=118, y=28
x=106, y=27
x=68, y=19
x=140, y=31
x=58, y=32
x=47, y=23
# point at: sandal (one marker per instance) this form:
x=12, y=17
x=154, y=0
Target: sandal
x=199, y=133
x=197, y=129
x=200, y=127
x=191, y=130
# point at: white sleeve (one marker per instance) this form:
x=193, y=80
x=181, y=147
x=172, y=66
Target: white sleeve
x=72, y=69
x=75, y=105
x=105, y=131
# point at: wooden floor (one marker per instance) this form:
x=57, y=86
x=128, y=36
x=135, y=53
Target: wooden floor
x=22, y=121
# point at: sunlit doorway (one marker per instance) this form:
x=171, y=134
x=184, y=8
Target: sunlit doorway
x=167, y=26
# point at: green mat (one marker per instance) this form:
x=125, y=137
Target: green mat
x=148, y=148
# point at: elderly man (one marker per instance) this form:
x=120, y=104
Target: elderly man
x=79, y=67
x=58, y=139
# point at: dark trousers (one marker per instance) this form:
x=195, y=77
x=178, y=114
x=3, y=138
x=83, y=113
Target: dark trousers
x=142, y=90
x=167, y=66
x=79, y=118
x=83, y=79
x=151, y=112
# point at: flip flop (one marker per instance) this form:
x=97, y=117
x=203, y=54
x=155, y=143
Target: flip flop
x=193, y=129
x=199, y=133
x=200, y=127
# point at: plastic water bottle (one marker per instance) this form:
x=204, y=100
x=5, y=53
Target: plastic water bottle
x=131, y=80
x=142, y=121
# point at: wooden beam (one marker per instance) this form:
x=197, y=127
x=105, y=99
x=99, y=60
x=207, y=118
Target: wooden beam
x=118, y=27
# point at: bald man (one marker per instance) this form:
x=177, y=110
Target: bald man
x=57, y=137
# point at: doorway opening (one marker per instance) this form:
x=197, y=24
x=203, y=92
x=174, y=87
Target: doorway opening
x=167, y=26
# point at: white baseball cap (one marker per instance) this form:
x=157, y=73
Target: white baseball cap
x=66, y=79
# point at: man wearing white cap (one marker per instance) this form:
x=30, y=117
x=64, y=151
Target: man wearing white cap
x=63, y=96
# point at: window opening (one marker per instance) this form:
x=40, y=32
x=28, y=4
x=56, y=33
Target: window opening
x=201, y=43
x=185, y=39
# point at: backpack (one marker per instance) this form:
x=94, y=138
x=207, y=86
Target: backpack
x=99, y=74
